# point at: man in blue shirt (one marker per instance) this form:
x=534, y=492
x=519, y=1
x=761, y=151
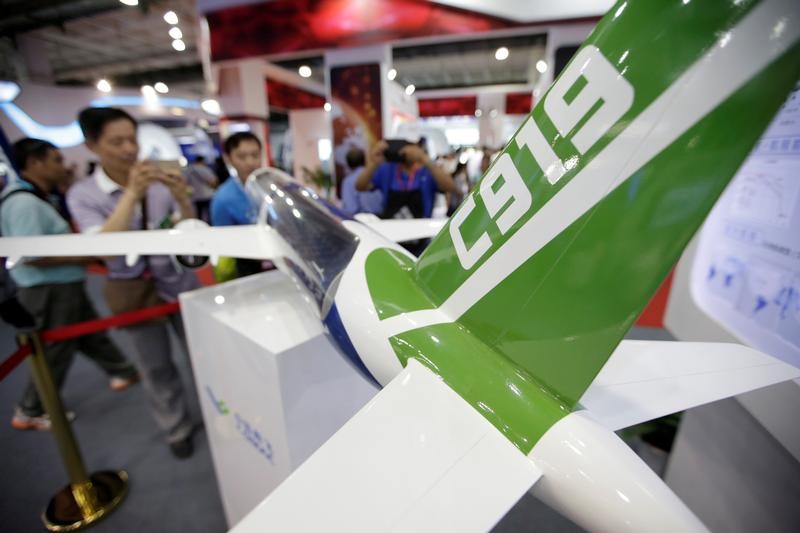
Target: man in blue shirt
x=411, y=183
x=52, y=289
x=354, y=201
x=230, y=205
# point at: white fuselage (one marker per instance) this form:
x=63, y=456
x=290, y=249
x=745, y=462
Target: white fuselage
x=593, y=478
x=589, y=474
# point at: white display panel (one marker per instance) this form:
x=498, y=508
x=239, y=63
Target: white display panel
x=272, y=387
x=747, y=270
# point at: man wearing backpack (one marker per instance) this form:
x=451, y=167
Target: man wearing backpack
x=52, y=289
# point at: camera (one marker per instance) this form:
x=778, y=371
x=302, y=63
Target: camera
x=392, y=152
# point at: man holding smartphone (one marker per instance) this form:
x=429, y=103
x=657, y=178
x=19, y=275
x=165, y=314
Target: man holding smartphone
x=127, y=194
x=406, y=176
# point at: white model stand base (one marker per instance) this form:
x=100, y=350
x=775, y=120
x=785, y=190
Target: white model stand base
x=272, y=387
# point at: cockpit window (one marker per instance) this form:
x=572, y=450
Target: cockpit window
x=318, y=247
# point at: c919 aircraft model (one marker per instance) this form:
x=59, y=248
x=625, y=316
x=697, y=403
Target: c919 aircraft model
x=500, y=348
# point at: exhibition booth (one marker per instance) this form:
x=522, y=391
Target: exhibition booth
x=627, y=248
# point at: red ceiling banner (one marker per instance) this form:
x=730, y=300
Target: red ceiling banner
x=286, y=96
x=447, y=107
x=282, y=26
x=519, y=103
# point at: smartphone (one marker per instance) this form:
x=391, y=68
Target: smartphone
x=392, y=152
x=167, y=166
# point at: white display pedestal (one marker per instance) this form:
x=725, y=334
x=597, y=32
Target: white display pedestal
x=272, y=386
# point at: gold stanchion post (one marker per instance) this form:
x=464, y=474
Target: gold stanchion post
x=87, y=498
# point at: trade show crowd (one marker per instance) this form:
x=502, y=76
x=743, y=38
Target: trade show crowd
x=120, y=193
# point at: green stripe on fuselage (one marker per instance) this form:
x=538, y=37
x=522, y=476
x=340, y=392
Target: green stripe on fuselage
x=517, y=405
x=396, y=290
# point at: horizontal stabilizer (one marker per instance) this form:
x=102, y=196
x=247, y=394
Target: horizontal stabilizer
x=425, y=461
x=644, y=380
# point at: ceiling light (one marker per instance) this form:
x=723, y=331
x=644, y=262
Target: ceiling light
x=148, y=90
x=541, y=66
x=501, y=53
x=327, y=106
x=493, y=113
x=175, y=32
x=103, y=86
x=178, y=45
x=304, y=71
x=170, y=17
x=129, y=2
x=478, y=113
x=211, y=106
x=161, y=87
x=392, y=74
x=410, y=89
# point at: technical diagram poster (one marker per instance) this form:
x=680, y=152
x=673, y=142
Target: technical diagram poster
x=746, y=274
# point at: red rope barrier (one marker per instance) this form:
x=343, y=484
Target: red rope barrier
x=80, y=329
x=13, y=360
x=117, y=321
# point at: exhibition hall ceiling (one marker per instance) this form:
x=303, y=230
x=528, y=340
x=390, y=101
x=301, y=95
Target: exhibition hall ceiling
x=470, y=62
x=87, y=40
x=454, y=64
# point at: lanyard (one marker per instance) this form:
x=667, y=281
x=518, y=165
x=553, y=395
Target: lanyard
x=409, y=183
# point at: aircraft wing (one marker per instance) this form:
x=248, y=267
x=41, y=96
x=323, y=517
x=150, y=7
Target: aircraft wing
x=409, y=229
x=249, y=242
x=436, y=463
x=644, y=380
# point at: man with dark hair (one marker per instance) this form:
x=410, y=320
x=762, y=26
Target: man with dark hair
x=354, y=201
x=126, y=194
x=411, y=183
x=93, y=120
x=230, y=205
x=52, y=289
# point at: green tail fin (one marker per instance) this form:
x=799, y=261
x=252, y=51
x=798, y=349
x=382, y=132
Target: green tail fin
x=551, y=259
